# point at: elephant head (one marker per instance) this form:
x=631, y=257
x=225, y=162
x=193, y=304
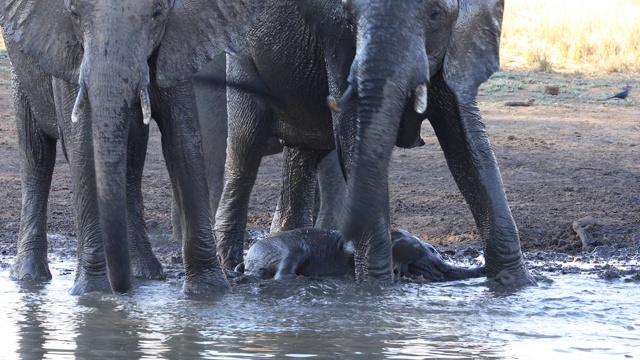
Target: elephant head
x=113, y=50
x=413, y=60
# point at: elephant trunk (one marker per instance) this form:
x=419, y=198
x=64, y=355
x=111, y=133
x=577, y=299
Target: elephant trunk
x=112, y=92
x=434, y=268
x=386, y=73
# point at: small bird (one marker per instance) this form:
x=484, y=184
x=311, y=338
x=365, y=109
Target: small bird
x=621, y=95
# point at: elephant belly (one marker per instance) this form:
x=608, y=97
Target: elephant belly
x=291, y=63
x=298, y=132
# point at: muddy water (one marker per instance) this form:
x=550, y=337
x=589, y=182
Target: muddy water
x=567, y=316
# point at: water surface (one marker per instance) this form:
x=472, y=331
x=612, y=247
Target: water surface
x=568, y=316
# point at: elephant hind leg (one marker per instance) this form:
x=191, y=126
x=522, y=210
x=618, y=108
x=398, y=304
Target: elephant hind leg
x=297, y=196
x=38, y=154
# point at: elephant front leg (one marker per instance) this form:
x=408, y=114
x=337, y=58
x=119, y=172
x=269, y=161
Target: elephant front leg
x=91, y=270
x=144, y=263
x=38, y=154
x=297, y=196
x=175, y=112
x=466, y=147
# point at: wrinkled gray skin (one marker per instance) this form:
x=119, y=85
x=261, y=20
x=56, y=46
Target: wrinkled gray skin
x=322, y=253
x=212, y=113
x=414, y=257
x=299, y=117
x=102, y=67
x=391, y=65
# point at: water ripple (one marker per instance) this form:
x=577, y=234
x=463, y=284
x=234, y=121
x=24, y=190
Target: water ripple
x=570, y=315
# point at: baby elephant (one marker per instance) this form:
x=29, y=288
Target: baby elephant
x=414, y=257
x=321, y=253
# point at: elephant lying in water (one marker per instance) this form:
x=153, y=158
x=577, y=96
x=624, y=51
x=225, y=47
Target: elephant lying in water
x=321, y=253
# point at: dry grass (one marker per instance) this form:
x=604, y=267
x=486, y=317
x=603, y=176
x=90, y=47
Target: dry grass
x=572, y=35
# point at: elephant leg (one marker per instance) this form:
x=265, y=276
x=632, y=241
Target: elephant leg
x=211, y=102
x=466, y=147
x=174, y=109
x=331, y=188
x=144, y=263
x=91, y=270
x=292, y=261
x=212, y=113
x=176, y=225
x=297, y=196
x=249, y=129
x=38, y=155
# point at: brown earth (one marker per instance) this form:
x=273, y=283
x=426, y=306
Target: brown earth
x=564, y=158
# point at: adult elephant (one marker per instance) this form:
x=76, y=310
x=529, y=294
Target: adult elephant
x=391, y=65
x=106, y=67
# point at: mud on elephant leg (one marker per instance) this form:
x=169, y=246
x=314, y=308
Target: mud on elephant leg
x=38, y=154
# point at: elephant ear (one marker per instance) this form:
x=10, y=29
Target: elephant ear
x=473, y=55
x=198, y=30
x=44, y=31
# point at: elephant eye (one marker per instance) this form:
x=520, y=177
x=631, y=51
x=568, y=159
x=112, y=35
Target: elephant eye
x=158, y=11
x=434, y=15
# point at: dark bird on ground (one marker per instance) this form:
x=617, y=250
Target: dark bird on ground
x=621, y=95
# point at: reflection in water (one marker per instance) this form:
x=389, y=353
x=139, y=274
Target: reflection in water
x=574, y=316
x=105, y=328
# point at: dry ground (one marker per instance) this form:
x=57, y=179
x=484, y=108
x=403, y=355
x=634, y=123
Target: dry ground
x=566, y=157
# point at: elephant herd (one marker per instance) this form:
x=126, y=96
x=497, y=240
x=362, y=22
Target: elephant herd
x=335, y=83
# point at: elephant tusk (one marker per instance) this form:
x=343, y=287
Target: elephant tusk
x=145, y=102
x=420, y=99
x=344, y=101
x=75, y=114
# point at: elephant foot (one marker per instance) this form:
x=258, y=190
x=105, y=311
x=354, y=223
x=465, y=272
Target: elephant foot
x=210, y=281
x=148, y=268
x=85, y=284
x=31, y=265
x=374, y=271
x=513, y=278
